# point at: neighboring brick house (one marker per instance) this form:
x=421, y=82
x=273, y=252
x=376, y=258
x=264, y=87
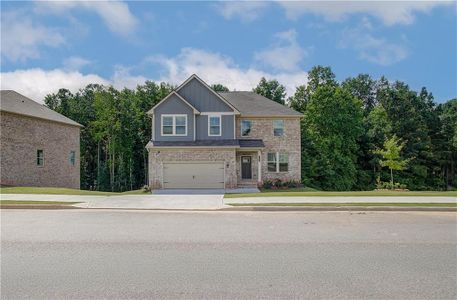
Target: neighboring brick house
x=38, y=146
x=205, y=139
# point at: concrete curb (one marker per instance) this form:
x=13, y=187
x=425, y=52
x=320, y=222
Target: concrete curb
x=340, y=208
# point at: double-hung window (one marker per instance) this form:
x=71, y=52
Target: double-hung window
x=278, y=162
x=40, y=158
x=174, y=125
x=72, y=158
x=214, y=125
x=245, y=127
x=278, y=127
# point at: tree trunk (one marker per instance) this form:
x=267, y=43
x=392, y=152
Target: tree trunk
x=98, y=167
x=391, y=178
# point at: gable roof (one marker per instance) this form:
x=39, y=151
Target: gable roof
x=255, y=105
x=193, y=76
x=151, y=111
x=13, y=102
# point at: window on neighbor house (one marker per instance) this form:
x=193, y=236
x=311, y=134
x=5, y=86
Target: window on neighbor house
x=214, y=125
x=278, y=127
x=72, y=158
x=40, y=158
x=245, y=127
x=174, y=125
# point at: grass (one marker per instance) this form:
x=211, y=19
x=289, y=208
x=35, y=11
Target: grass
x=61, y=191
x=350, y=204
x=308, y=192
x=19, y=202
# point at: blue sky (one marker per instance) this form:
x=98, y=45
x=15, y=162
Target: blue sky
x=48, y=45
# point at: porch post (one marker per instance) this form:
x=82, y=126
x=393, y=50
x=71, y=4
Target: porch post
x=259, y=167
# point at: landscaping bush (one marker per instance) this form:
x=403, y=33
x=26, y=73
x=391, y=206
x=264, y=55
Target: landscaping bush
x=277, y=184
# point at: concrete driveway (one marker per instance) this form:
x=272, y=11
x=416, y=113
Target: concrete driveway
x=196, y=201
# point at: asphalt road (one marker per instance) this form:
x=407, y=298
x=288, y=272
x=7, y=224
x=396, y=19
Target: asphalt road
x=85, y=254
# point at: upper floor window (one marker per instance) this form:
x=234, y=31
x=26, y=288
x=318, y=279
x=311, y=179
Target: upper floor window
x=278, y=162
x=72, y=158
x=214, y=125
x=278, y=127
x=40, y=158
x=245, y=127
x=174, y=125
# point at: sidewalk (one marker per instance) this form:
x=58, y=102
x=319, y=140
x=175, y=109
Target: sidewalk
x=208, y=201
x=148, y=201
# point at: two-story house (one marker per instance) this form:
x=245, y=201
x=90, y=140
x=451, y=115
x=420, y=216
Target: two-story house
x=205, y=139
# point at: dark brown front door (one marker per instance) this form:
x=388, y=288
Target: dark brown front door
x=246, y=172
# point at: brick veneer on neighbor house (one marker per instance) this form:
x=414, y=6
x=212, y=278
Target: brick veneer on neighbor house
x=22, y=136
x=289, y=142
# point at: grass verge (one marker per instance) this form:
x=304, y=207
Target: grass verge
x=349, y=204
x=307, y=193
x=62, y=191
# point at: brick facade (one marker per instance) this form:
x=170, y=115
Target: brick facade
x=289, y=142
x=157, y=157
x=21, y=137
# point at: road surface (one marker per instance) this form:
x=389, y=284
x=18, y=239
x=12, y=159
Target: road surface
x=87, y=254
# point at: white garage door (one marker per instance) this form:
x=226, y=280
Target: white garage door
x=199, y=175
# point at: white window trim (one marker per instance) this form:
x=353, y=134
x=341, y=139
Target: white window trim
x=241, y=127
x=283, y=127
x=220, y=125
x=278, y=162
x=173, y=125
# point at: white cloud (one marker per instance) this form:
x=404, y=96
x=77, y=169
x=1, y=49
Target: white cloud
x=217, y=68
x=285, y=54
x=245, y=10
x=22, y=38
x=75, y=63
x=371, y=48
x=211, y=67
x=116, y=14
x=390, y=12
x=37, y=83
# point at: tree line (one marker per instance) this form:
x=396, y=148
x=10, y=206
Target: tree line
x=344, y=128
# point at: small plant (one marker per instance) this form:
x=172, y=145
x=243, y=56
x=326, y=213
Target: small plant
x=277, y=184
x=384, y=185
x=146, y=188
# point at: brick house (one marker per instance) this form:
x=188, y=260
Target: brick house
x=205, y=139
x=38, y=146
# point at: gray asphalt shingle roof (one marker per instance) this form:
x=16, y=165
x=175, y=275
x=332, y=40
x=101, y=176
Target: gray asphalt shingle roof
x=245, y=143
x=13, y=102
x=252, y=104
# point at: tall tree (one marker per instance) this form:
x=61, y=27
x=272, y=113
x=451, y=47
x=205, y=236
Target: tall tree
x=218, y=87
x=317, y=76
x=362, y=87
x=271, y=89
x=332, y=125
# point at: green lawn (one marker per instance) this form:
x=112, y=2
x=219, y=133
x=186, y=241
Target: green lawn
x=18, y=202
x=349, y=204
x=60, y=191
x=311, y=192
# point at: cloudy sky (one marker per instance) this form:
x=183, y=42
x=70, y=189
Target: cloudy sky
x=48, y=45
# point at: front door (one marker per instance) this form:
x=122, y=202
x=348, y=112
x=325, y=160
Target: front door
x=246, y=172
